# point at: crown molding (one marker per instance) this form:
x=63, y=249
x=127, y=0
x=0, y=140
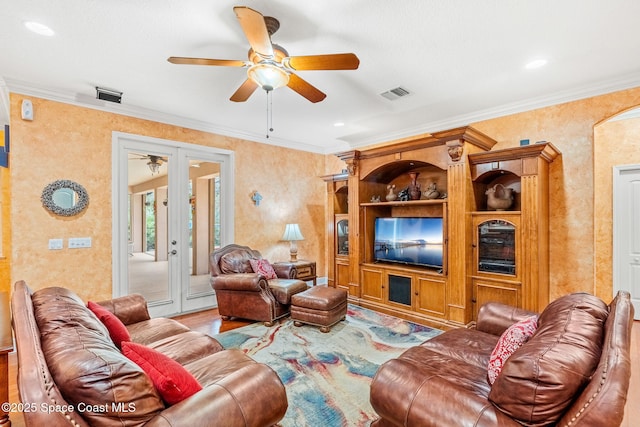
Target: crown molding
x=16, y=86
x=10, y=85
x=627, y=82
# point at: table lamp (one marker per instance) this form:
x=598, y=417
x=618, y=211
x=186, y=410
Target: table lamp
x=292, y=234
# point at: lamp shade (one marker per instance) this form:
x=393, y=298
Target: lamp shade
x=292, y=232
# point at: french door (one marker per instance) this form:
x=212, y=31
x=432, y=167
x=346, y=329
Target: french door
x=626, y=232
x=172, y=205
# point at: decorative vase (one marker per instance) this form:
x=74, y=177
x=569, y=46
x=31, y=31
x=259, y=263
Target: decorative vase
x=414, y=187
x=432, y=192
x=391, y=195
x=499, y=197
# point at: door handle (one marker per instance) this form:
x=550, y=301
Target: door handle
x=173, y=252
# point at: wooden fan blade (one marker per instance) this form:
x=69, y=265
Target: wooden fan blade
x=305, y=89
x=338, y=61
x=244, y=91
x=205, y=61
x=252, y=23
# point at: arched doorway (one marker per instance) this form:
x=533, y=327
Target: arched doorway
x=617, y=223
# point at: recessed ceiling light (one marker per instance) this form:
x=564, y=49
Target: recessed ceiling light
x=536, y=64
x=338, y=124
x=39, y=28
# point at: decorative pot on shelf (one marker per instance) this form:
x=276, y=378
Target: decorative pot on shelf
x=391, y=195
x=432, y=192
x=499, y=197
x=414, y=187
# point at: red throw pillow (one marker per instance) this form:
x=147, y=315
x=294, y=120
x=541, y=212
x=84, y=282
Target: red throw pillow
x=117, y=331
x=172, y=380
x=262, y=266
x=510, y=340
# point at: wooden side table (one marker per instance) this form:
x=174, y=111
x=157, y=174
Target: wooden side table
x=6, y=347
x=306, y=270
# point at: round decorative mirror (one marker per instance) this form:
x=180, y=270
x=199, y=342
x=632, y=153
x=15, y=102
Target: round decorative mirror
x=65, y=198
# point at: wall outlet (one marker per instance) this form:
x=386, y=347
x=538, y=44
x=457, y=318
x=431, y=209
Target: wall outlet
x=79, y=242
x=55, y=244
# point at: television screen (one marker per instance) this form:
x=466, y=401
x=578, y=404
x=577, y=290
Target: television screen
x=416, y=241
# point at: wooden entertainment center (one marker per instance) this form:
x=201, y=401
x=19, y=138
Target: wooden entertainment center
x=487, y=255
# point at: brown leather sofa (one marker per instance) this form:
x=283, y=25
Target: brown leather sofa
x=574, y=371
x=243, y=293
x=70, y=373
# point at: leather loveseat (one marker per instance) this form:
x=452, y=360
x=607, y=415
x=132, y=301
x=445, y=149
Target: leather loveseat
x=70, y=372
x=573, y=371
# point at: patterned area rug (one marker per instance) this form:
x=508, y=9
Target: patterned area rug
x=327, y=376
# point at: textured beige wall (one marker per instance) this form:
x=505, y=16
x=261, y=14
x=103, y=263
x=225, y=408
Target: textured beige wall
x=570, y=127
x=69, y=142
x=616, y=143
x=65, y=141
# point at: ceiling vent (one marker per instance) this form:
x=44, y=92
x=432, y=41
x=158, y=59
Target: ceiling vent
x=108, y=95
x=396, y=93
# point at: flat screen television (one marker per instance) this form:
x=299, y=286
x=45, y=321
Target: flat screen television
x=414, y=241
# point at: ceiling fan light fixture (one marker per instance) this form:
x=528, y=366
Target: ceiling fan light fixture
x=154, y=166
x=268, y=75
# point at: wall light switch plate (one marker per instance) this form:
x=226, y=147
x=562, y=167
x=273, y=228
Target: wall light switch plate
x=79, y=242
x=27, y=109
x=55, y=244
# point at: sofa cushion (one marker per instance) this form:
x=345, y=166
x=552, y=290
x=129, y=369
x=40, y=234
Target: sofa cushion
x=186, y=347
x=236, y=261
x=156, y=329
x=510, y=340
x=470, y=346
x=540, y=380
x=173, y=382
x=117, y=331
x=87, y=366
x=263, y=267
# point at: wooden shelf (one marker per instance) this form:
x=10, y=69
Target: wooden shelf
x=424, y=202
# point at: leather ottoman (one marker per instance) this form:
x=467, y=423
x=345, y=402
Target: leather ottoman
x=320, y=306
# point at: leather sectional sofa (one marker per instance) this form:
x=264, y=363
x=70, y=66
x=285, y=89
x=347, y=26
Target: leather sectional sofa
x=573, y=371
x=70, y=372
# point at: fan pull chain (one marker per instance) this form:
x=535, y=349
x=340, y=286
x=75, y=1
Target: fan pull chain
x=269, y=112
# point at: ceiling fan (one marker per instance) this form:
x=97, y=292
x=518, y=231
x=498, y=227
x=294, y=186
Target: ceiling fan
x=269, y=65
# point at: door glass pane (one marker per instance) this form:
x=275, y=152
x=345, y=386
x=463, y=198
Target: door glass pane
x=497, y=247
x=204, y=222
x=148, y=232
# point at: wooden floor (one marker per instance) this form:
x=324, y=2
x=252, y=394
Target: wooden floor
x=209, y=322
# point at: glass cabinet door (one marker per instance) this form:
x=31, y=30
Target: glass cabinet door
x=497, y=247
x=342, y=236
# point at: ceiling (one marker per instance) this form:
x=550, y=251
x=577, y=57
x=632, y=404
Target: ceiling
x=462, y=61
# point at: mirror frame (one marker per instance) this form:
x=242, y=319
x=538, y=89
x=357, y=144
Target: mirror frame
x=49, y=204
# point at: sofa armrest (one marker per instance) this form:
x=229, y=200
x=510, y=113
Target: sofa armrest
x=252, y=396
x=494, y=318
x=129, y=309
x=251, y=282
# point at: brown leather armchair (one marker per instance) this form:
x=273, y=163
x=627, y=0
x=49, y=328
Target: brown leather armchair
x=248, y=295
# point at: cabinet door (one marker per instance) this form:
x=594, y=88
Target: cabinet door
x=342, y=235
x=487, y=290
x=430, y=296
x=399, y=289
x=372, y=284
x=497, y=246
x=342, y=274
